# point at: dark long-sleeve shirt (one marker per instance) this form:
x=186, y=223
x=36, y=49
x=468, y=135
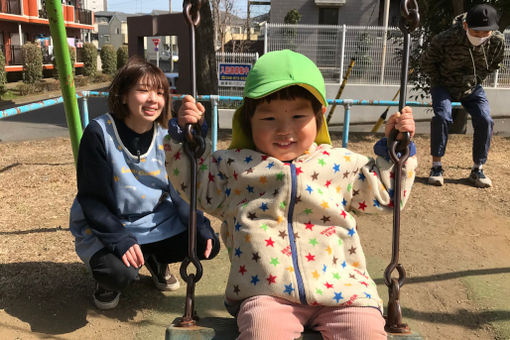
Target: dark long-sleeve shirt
x=95, y=191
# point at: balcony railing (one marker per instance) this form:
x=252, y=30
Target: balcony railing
x=11, y=7
x=83, y=16
x=43, y=14
x=16, y=55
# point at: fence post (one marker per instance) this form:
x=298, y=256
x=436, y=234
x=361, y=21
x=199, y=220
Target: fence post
x=342, y=52
x=265, y=37
x=496, y=74
x=214, y=102
x=347, y=122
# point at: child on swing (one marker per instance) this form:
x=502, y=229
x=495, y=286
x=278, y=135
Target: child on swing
x=285, y=197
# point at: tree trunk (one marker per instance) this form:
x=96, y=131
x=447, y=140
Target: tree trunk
x=458, y=7
x=504, y=21
x=207, y=80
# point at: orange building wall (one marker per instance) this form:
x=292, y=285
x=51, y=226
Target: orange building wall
x=30, y=8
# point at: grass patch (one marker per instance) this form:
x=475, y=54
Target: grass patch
x=491, y=292
x=8, y=95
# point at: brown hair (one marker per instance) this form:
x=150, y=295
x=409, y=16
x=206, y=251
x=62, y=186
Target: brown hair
x=127, y=77
x=287, y=93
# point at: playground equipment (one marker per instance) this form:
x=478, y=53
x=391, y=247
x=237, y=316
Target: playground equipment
x=186, y=327
x=65, y=71
x=409, y=22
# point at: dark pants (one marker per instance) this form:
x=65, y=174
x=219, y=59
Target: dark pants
x=110, y=272
x=477, y=106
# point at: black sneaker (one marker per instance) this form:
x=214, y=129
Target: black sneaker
x=163, y=279
x=104, y=298
x=478, y=179
x=436, y=176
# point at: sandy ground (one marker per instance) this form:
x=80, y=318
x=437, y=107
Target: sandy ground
x=455, y=247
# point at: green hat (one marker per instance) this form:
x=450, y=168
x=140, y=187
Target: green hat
x=275, y=71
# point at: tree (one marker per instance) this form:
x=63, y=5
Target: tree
x=292, y=17
x=3, y=75
x=122, y=56
x=89, y=55
x=72, y=54
x=32, y=62
x=222, y=19
x=207, y=79
x=108, y=59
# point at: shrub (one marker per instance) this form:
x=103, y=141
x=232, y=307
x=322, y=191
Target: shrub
x=29, y=88
x=81, y=80
x=108, y=59
x=122, y=56
x=3, y=75
x=72, y=53
x=102, y=77
x=89, y=55
x=32, y=62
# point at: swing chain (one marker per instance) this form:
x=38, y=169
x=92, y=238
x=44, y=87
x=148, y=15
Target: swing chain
x=195, y=143
x=194, y=147
x=410, y=18
x=192, y=11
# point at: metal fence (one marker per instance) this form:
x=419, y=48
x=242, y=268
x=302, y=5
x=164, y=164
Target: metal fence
x=377, y=58
x=234, y=58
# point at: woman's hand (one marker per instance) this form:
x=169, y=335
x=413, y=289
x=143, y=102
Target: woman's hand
x=190, y=112
x=403, y=122
x=208, y=248
x=133, y=257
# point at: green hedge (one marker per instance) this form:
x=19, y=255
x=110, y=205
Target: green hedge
x=122, y=56
x=89, y=59
x=3, y=75
x=108, y=59
x=32, y=62
x=72, y=53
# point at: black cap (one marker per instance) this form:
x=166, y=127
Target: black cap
x=482, y=17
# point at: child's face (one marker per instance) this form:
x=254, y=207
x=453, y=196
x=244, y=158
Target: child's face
x=145, y=104
x=284, y=129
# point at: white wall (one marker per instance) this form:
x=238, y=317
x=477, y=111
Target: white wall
x=498, y=99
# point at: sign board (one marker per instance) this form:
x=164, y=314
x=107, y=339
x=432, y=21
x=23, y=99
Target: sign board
x=156, y=42
x=232, y=74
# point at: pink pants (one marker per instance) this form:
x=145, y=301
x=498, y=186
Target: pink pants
x=266, y=317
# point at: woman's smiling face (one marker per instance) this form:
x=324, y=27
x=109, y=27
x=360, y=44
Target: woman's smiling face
x=145, y=105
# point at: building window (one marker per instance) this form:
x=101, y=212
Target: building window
x=235, y=30
x=117, y=30
x=106, y=38
x=328, y=16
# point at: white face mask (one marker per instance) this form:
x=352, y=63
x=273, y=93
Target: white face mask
x=476, y=41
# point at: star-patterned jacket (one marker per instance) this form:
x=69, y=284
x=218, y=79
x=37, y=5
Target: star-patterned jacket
x=288, y=226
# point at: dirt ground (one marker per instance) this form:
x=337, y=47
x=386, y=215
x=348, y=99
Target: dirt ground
x=455, y=247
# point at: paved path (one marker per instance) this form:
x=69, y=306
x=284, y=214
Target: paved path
x=46, y=122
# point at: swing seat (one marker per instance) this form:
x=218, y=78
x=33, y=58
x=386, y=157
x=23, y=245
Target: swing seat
x=218, y=328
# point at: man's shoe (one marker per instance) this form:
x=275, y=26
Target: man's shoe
x=163, y=279
x=436, y=176
x=478, y=179
x=104, y=298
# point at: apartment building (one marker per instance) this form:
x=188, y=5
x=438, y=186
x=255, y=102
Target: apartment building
x=24, y=21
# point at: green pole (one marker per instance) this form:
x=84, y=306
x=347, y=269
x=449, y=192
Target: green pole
x=65, y=72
